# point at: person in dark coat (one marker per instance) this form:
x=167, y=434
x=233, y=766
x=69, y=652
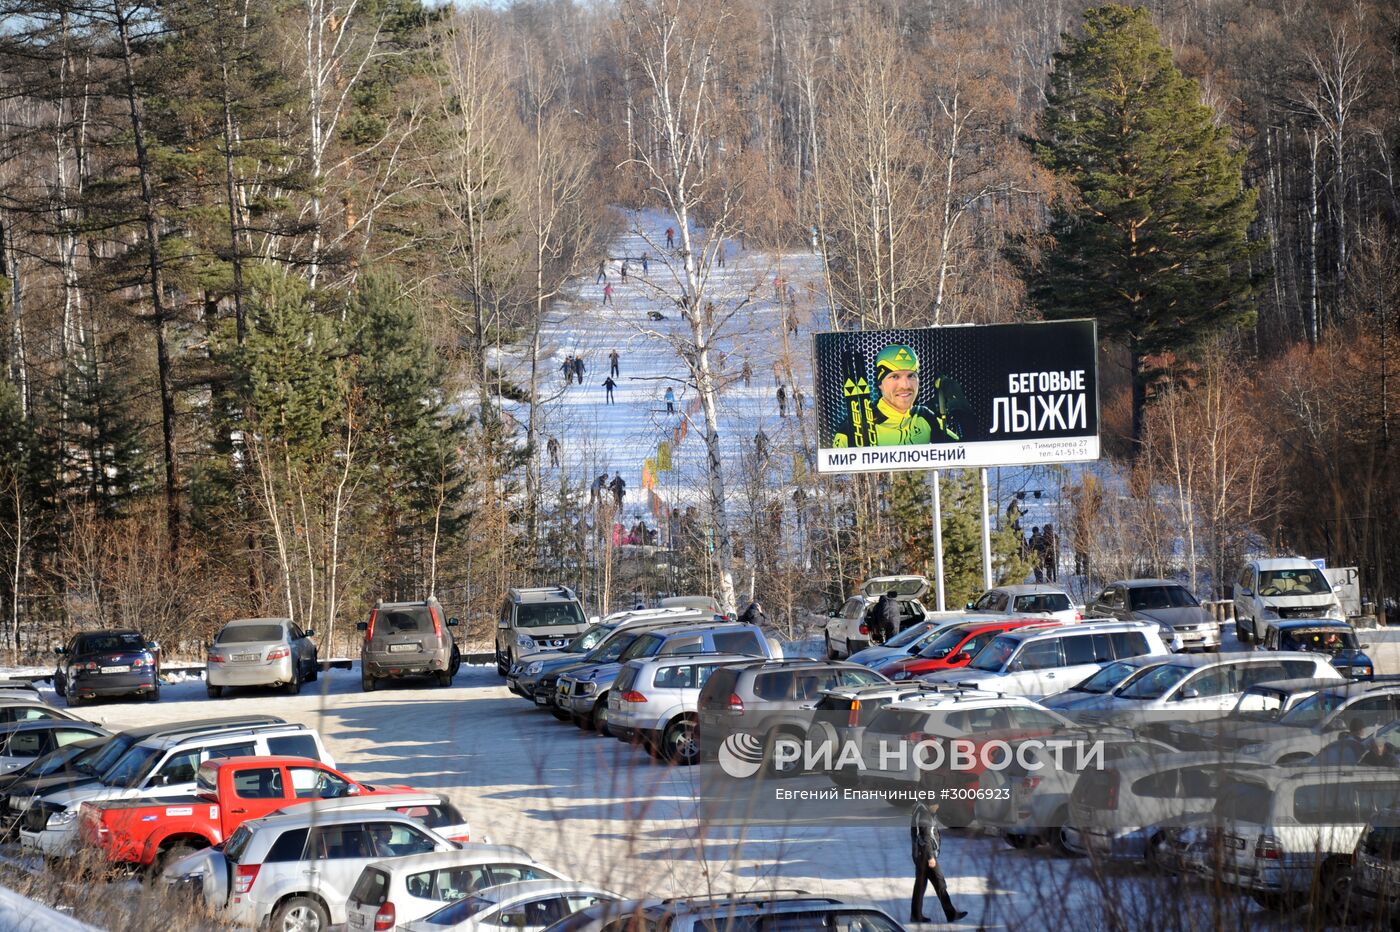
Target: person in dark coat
x=925, y=844
x=608, y=386
x=753, y=615
x=887, y=616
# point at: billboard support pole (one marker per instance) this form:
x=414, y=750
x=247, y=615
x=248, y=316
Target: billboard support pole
x=986, y=535
x=937, y=542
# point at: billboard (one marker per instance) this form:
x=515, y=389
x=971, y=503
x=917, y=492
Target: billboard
x=949, y=397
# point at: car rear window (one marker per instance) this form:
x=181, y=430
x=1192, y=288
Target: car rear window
x=247, y=634
x=294, y=746
x=109, y=643
x=404, y=621
x=738, y=642
x=717, y=689
x=372, y=888
x=1244, y=801
x=628, y=678
x=1043, y=602
x=898, y=722
x=1130, y=644
x=237, y=844
x=289, y=846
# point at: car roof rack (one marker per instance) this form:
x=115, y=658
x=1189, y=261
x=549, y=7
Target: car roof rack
x=750, y=896
x=227, y=723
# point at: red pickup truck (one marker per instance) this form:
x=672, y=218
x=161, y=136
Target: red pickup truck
x=230, y=792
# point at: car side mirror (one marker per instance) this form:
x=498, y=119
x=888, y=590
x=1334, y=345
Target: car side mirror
x=503, y=623
x=309, y=634
x=967, y=607
x=354, y=790
x=1246, y=592
x=961, y=656
x=60, y=651
x=1190, y=692
x=1363, y=647
x=361, y=626
x=453, y=622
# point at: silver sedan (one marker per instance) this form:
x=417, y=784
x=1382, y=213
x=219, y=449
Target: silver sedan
x=261, y=652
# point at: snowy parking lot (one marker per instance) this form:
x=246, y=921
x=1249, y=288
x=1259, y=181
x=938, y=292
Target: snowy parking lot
x=602, y=811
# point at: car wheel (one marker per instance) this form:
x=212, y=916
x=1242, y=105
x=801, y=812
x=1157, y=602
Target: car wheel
x=444, y=678
x=294, y=687
x=1056, y=834
x=455, y=663
x=367, y=682
x=154, y=694
x=214, y=691
x=300, y=914
x=73, y=700
x=1017, y=841
x=560, y=714
x=678, y=744
x=772, y=766
x=314, y=670
x=600, y=717
x=172, y=854
x=58, y=685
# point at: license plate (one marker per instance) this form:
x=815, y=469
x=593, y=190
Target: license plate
x=402, y=648
x=246, y=657
x=357, y=920
x=117, y=669
x=541, y=700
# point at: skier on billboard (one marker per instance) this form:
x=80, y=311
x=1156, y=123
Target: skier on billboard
x=894, y=419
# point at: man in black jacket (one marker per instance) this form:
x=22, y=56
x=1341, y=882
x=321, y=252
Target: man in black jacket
x=925, y=845
x=887, y=616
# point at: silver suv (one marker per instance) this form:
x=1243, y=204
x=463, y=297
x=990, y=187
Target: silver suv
x=530, y=620
x=408, y=639
x=653, y=702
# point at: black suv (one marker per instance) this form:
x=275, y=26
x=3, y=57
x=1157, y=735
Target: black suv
x=107, y=663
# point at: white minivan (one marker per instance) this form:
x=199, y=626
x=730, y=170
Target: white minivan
x=1286, y=587
x=1036, y=662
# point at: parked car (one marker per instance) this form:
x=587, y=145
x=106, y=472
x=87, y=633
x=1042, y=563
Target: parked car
x=1105, y=681
x=771, y=698
x=1317, y=721
x=848, y=630
x=1190, y=685
x=527, y=906
x=530, y=620
x=1026, y=600
x=406, y=639
x=61, y=760
x=583, y=692
x=1273, y=590
x=842, y=713
x=162, y=767
x=261, y=652
x=1028, y=801
x=654, y=701
x=400, y=890
x=524, y=676
x=1336, y=639
x=1112, y=808
x=1374, y=891
x=24, y=742
x=1170, y=604
x=1038, y=662
x=228, y=792
x=22, y=707
x=1260, y=704
x=955, y=647
x=295, y=870
x=696, y=603
x=1281, y=836
x=911, y=640
x=100, y=664
x=90, y=767
x=776, y=910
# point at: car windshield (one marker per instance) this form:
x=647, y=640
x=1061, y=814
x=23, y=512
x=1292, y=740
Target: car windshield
x=237, y=843
x=1041, y=602
x=1260, y=699
x=907, y=636
x=1148, y=598
x=459, y=911
x=994, y=656
x=1313, y=710
x=548, y=614
x=249, y=634
x=133, y=767
x=109, y=643
x=1107, y=678
x=613, y=649
x=588, y=640
x=1293, y=582
x=1326, y=640
x=643, y=646
x=111, y=752
x=1155, y=682
x=55, y=761
x=943, y=644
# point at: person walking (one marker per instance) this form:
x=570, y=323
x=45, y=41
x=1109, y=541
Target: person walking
x=670, y=238
x=579, y=369
x=719, y=254
x=607, y=295
x=599, y=486
x=645, y=260
x=608, y=386
x=760, y=445
x=670, y=400
x=622, y=272
x=1051, y=544
x=1034, y=547
x=619, y=489
x=568, y=368
x=746, y=373
x=602, y=271
x=782, y=402
x=613, y=360
x=925, y=844
x=552, y=447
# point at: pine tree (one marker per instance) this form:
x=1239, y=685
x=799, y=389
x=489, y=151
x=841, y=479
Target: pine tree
x=1153, y=243
x=103, y=458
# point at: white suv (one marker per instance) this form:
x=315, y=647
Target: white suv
x=390, y=893
x=1037, y=662
x=295, y=869
x=1028, y=601
x=158, y=767
x=653, y=702
x=848, y=630
x=1287, y=587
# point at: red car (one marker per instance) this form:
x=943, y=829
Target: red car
x=956, y=647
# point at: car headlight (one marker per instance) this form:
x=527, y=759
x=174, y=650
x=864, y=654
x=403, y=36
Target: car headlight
x=1270, y=613
x=1335, y=611
x=534, y=668
x=1252, y=748
x=585, y=689
x=62, y=817
x=525, y=641
x=1360, y=671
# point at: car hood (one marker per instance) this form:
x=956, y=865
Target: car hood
x=600, y=674
x=1322, y=600
x=557, y=663
x=90, y=792
x=41, y=786
x=875, y=656
x=1071, y=700
x=1175, y=617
